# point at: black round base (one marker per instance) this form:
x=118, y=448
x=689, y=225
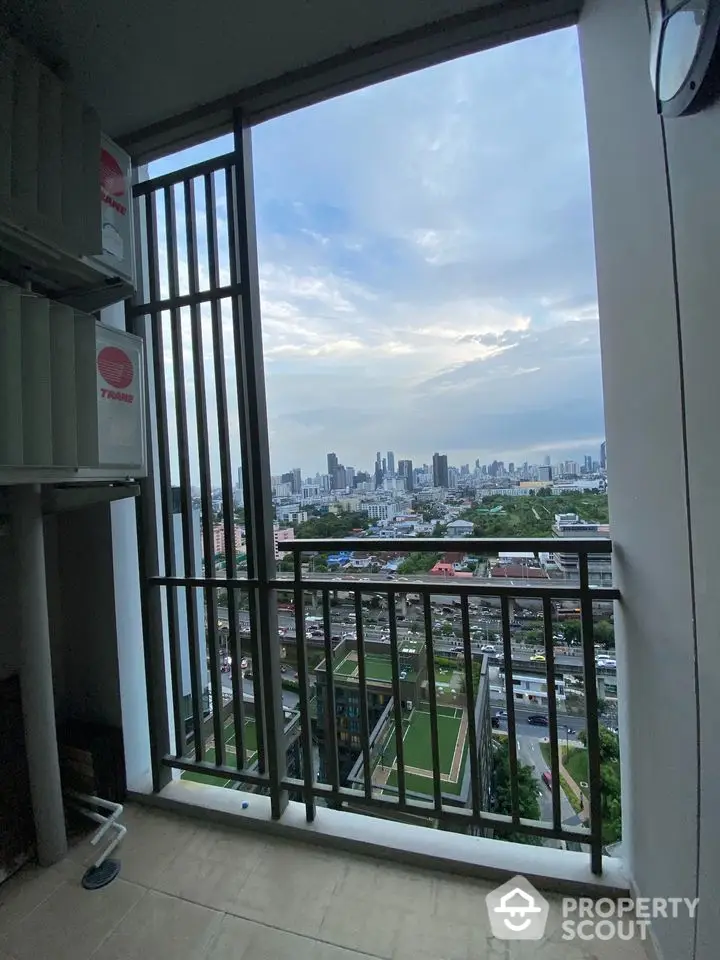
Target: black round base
x=96, y=877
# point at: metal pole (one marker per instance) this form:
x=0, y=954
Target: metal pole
x=36, y=676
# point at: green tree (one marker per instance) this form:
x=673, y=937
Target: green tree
x=572, y=631
x=418, y=563
x=610, y=788
x=528, y=788
x=604, y=633
x=439, y=530
x=447, y=630
x=331, y=526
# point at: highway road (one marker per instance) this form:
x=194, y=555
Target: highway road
x=341, y=624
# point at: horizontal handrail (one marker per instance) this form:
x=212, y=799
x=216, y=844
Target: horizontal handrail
x=556, y=589
x=577, y=545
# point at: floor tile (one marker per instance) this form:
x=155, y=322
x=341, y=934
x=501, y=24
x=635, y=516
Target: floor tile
x=160, y=927
x=389, y=885
x=286, y=903
x=28, y=888
x=463, y=901
x=355, y=925
x=153, y=840
x=71, y=922
x=431, y=938
x=210, y=883
x=244, y=940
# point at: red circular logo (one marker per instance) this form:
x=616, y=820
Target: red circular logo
x=115, y=367
x=112, y=179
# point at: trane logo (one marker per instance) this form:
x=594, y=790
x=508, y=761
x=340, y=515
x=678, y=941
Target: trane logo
x=116, y=369
x=112, y=182
x=117, y=395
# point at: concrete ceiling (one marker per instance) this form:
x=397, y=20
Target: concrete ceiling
x=164, y=72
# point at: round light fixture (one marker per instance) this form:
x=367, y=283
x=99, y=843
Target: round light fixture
x=684, y=55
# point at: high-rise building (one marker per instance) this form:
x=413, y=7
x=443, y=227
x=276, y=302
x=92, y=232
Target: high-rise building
x=545, y=473
x=339, y=477
x=603, y=455
x=332, y=462
x=511, y=467
x=547, y=461
x=588, y=464
x=379, y=473
x=350, y=477
x=477, y=463
x=405, y=470
x=297, y=480
x=440, y=470
x=391, y=463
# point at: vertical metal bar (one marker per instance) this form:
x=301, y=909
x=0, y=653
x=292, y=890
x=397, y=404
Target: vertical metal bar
x=470, y=699
x=331, y=746
x=510, y=705
x=552, y=712
x=397, y=702
x=206, y=510
x=251, y=398
x=149, y=561
x=161, y=409
x=185, y=483
x=432, y=692
x=304, y=690
x=591, y=718
x=221, y=402
x=362, y=696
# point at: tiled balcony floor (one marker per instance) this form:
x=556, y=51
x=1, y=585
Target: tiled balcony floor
x=193, y=892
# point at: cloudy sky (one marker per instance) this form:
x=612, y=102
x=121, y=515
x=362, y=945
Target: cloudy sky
x=427, y=268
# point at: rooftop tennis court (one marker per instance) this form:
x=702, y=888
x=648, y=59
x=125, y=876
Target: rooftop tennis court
x=417, y=751
x=250, y=743
x=377, y=667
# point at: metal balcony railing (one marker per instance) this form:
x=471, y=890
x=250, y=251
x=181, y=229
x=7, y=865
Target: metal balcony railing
x=400, y=797
x=210, y=621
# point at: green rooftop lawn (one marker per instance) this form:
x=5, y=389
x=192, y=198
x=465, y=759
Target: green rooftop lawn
x=219, y=779
x=377, y=667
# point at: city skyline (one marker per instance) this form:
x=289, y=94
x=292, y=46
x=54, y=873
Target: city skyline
x=584, y=462
x=426, y=267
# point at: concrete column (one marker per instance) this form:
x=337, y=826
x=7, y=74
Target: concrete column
x=36, y=676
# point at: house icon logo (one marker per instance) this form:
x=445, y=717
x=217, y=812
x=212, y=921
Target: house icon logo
x=517, y=911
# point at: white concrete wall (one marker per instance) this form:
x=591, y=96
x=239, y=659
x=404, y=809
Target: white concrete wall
x=657, y=228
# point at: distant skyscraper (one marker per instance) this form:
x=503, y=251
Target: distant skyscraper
x=477, y=463
x=511, y=467
x=545, y=473
x=547, y=461
x=405, y=469
x=391, y=463
x=332, y=461
x=588, y=464
x=603, y=455
x=440, y=470
x=350, y=477
x=339, y=478
x=378, y=471
x=297, y=480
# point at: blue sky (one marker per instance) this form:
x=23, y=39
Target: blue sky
x=427, y=268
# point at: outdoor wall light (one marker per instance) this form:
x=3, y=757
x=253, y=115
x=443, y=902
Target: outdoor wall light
x=684, y=54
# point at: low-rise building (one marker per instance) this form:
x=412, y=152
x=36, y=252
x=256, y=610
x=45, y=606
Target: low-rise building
x=459, y=528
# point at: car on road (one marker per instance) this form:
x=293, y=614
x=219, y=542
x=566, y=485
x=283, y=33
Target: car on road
x=537, y=658
x=605, y=662
x=547, y=779
x=488, y=648
x=501, y=715
x=538, y=720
